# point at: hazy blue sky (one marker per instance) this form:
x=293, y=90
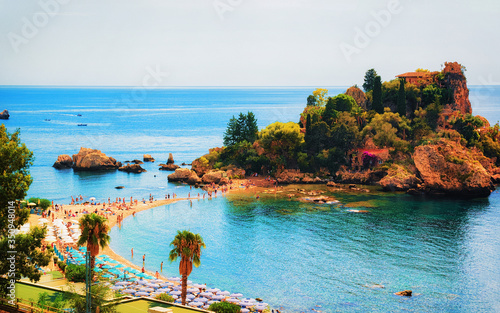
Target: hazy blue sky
x=242, y=42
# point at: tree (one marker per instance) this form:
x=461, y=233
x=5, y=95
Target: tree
x=311, y=100
x=15, y=160
x=243, y=128
x=187, y=246
x=320, y=96
x=377, y=96
x=232, y=134
x=401, y=98
x=94, y=234
x=369, y=80
x=281, y=141
x=342, y=103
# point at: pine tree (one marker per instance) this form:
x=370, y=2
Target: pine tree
x=377, y=96
x=369, y=80
x=243, y=128
x=401, y=98
x=251, y=128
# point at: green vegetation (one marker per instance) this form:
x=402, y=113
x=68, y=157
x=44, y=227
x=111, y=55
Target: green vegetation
x=100, y=293
x=224, y=307
x=75, y=273
x=333, y=131
x=243, y=128
x=165, y=297
x=15, y=160
x=43, y=203
x=187, y=246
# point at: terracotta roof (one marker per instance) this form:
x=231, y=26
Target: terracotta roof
x=412, y=75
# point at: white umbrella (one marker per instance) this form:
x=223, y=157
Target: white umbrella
x=200, y=286
x=92, y=198
x=50, y=239
x=193, y=290
x=190, y=297
x=236, y=295
x=202, y=299
x=31, y=204
x=43, y=220
x=223, y=293
x=176, y=292
x=74, y=226
x=75, y=221
x=174, y=279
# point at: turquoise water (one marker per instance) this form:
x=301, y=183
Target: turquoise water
x=291, y=254
x=301, y=256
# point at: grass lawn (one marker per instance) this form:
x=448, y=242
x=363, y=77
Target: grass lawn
x=56, y=274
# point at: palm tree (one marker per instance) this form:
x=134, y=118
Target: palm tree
x=188, y=246
x=94, y=233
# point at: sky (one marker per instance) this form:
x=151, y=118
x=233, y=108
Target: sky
x=242, y=42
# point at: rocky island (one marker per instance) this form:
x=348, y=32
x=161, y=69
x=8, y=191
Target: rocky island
x=415, y=133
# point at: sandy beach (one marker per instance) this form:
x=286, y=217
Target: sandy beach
x=113, y=217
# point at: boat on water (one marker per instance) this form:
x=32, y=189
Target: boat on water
x=82, y=124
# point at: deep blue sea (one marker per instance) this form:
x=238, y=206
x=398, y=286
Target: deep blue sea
x=293, y=255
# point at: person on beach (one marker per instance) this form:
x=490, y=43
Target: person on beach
x=142, y=269
x=132, y=250
x=157, y=275
x=161, y=267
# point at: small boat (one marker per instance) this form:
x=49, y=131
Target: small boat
x=78, y=115
x=82, y=124
x=47, y=119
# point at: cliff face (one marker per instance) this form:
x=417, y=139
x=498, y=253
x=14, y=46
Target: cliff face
x=448, y=167
x=93, y=160
x=457, y=83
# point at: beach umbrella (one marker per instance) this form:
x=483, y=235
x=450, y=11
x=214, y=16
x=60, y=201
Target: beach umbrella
x=141, y=275
x=196, y=304
x=157, y=281
x=108, y=276
x=131, y=291
x=141, y=293
x=43, y=220
x=119, y=265
x=213, y=290
x=58, y=221
x=212, y=302
x=166, y=284
x=92, y=198
x=206, y=294
x=245, y=310
x=142, y=282
x=200, y=286
x=31, y=204
x=193, y=290
x=106, y=266
x=134, y=271
x=176, y=292
x=190, y=297
x=151, y=285
x=132, y=279
x=122, y=283
x=68, y=240
x=223, y=293
x=75, y=221
x=74, y=226
x=174, y=279
x=217, y=297
x=148, y=277
x=50, y=239
x=127, y=269
x=117, y=287
x=233, y=300
x=178, y=287
x=236, y=295
x=206, y=306
x=146, y=289
x=202, y=299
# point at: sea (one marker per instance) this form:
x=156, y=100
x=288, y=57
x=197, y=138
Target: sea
x=298, y=257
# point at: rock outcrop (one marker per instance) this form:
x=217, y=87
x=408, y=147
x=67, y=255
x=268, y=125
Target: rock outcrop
x=93, y=160
x=399, y=178
x=457, y=83
x=404, y=293
x=148, y=158
x=297, y=177
x=132, y=168
x=170, y=159
x=184, y=175
x=137, y=161
x=449, y=168
x=213, y=177
x=63, y=161
x=4, y=115
x=358, y=95
x=168, y=167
